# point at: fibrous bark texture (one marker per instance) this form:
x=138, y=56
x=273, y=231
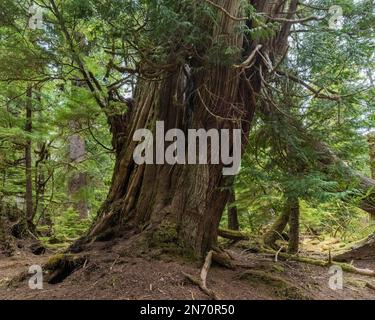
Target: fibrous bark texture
x=190, y=94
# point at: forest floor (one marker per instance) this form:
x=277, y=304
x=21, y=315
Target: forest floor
x=112, y=271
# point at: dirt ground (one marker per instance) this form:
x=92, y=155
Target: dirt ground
x=111, y=271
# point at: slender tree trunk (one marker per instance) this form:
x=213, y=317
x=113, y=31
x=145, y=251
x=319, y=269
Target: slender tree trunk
x=233, y=223
x=294, y=215
x=39, y=177
x=40, y=182
x=28, y=161
x=78, y=180
x=276, y=231
x=371, y=142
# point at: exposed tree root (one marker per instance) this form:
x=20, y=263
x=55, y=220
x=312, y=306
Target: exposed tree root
x=37, y=248
x=202, y=282
x=223, y=258
x=370, y=286
x=60, y=266
x=232, y=234
x=283, y=288
x=321, y=263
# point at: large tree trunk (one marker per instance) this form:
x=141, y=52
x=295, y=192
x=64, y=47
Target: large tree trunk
x=191, y=198
x=25, y=223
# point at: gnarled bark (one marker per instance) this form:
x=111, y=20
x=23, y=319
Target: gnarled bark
x=189, y=197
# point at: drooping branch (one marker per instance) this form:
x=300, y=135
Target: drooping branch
x=365, y=185
x=114, y=120
x=317, y=92
x=325, y=159
x=75, y=54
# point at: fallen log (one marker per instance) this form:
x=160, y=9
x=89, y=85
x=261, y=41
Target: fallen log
x=363, y=250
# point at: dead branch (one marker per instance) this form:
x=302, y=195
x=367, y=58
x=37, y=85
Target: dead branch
x=223, y=259
x=206, y=268
x=317, y=92
x=202, y=282
x=301, y=20
x=248, y=62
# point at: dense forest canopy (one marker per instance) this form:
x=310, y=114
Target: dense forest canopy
x=78, y=78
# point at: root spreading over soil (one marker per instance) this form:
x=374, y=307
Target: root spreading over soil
x=115, y=270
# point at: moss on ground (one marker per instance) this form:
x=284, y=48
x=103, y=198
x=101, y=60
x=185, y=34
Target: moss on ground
x=281, y=287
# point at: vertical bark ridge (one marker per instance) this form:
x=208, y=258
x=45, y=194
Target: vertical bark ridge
x=223, y=96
